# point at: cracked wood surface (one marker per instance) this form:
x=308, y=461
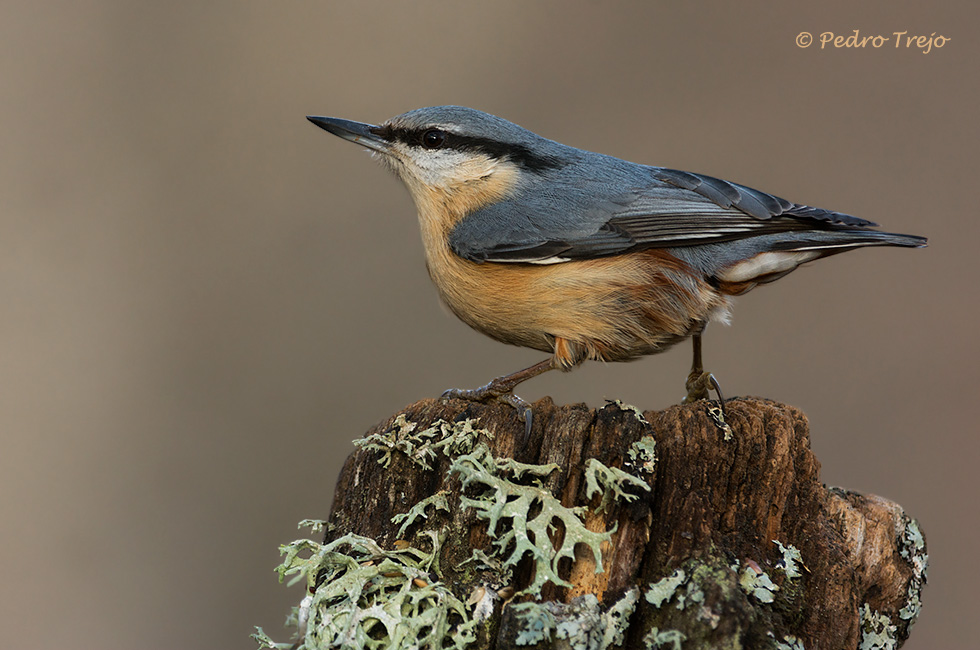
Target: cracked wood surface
x=713, y=503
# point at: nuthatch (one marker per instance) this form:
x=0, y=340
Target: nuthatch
x=585, y=256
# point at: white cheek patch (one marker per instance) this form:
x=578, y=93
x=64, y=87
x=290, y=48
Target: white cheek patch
x=444, y=168
x=764, y=264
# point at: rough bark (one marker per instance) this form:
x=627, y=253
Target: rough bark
x=690, y=561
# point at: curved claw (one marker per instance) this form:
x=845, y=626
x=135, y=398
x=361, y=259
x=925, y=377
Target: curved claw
x=698, y=385
x=489, y=393
x=501, y=389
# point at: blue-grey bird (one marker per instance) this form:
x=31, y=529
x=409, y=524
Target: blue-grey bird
x=582, y=255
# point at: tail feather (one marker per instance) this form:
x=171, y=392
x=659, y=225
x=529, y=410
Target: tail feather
x=759, y=260
x=828, y=240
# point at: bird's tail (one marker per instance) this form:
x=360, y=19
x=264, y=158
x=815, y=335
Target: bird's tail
x=831, y=241
x=769, y=257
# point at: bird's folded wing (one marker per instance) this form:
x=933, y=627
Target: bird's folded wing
x=660, y=208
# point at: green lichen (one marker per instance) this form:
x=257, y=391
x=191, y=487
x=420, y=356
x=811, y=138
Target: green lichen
x=681, y=587
x=265, y=641
x=423, y=447
x=610, y=481
x=437, y=501
x=460, y=437
x=531, y=512
x=912, y=544
x=623, y=406
x=492, y=563
x=757, y=584
x=496, y=576
x=616, y=620
x=912, y=547
x=788, y=642
x=717, y=416
x=642, y=454
x=791, y=560
x=315, y=525
x=913, y=603
x=537, y=623
x=366, y=598
x=655, y=639
x=582, y=623
x=877, y=631
x=664, y=589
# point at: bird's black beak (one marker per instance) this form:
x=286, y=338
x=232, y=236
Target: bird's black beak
x=362, y=134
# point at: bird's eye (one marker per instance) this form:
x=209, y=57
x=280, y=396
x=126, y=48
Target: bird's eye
x=433, y=139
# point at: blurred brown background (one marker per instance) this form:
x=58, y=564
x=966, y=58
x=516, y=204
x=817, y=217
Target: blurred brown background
x=205, y=298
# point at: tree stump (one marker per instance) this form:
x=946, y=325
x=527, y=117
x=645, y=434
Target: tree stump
x=607, y=528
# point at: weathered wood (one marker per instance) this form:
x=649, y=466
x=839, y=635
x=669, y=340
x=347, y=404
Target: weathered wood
x=701, y=542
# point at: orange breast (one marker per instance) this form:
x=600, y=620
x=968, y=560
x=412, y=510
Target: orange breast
x=612, y=309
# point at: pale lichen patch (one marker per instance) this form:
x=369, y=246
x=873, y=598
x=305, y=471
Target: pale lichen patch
x=537, y=623
x=791, y=561
x=423, y=446
x=877, y=631
x=912, y=547
x=664, y=589
x=366, y=598
x=642, y=455
x=623, y=406
x=315, y=525
x=757, y=584
x=581, y=624
x=437, y=501
x=530, y=512
x=610, y=482
x=616, y=619
x=788, y=642
x=656, y=639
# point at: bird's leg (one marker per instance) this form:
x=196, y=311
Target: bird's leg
x=697, y=380
x=700, y=382
x=501, y=389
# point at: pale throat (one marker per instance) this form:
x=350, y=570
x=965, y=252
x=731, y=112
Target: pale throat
x=444, y=199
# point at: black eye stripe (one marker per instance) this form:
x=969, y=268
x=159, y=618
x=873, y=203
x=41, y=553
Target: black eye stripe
x=516, y=153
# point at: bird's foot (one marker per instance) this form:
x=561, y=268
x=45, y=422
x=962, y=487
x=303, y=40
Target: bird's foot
x=698, y=385
x=496, y=391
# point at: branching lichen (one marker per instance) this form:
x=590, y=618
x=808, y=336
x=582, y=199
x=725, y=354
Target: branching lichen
x=531, y=511
x=582, y=623
x=424, y=446
x=364, y=597
x=437, y=501
x=610, y=481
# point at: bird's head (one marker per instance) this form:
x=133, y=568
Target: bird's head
x=458, y=158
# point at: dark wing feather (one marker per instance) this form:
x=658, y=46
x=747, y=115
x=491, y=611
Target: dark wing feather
x=642, y=207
